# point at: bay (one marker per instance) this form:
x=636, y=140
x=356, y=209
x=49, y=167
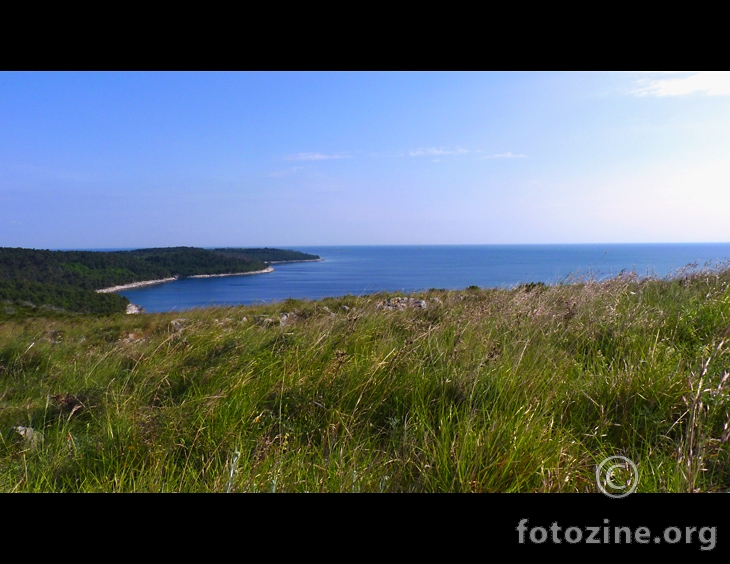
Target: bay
x=361, y=270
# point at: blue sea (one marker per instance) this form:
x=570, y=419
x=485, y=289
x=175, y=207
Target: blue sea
x=360, y=270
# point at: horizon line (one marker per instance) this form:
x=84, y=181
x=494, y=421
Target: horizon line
x=210, y=247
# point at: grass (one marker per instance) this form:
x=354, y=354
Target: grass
x=483, y=390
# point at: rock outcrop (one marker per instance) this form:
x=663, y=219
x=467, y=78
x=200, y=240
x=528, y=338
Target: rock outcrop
x=134, y=309
x=401, y=303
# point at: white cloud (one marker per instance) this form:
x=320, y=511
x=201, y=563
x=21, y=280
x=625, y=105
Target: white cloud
x=507, y=155
x=316, y=157
x=433, y=151
x=711, y=83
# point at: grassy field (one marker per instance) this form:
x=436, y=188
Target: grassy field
x=480, y=390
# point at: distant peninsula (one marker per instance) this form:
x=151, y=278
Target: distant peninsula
x=42, y=282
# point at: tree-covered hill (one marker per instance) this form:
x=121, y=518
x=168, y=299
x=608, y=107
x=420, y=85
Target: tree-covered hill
x=68, y=280
x=268, y=255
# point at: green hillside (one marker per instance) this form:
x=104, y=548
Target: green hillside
x=521, y=390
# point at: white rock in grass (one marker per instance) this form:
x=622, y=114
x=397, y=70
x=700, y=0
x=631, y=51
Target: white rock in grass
x=133, y=309
x=32, y=438
x=178, y=324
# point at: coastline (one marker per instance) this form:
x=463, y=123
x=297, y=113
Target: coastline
x=302, y=260
x=172, y=279
x=135, y=285
x=265, y=270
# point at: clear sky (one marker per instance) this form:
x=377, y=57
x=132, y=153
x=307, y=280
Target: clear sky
x=143, y=159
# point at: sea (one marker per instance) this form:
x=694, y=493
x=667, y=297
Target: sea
x=362, y=270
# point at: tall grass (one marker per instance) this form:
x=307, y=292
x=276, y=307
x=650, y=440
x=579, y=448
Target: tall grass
x=483, y=390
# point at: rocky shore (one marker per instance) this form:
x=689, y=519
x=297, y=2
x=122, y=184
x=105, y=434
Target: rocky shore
x=172, y=279
x=135, y=285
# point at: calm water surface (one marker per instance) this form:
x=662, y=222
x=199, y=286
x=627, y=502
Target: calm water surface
x=365, y=270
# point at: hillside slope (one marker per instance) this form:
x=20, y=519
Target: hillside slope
x=522, y=390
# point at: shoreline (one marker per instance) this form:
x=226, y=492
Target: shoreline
x=295, y=260
x=136, y=285
x=265, y=270
x=143, y=283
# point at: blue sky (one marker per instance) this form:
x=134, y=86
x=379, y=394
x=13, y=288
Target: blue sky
x=142, y=159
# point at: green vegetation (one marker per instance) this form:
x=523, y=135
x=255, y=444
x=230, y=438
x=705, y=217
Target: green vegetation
x=521, y=390
x=36, y=282
x=267, y=255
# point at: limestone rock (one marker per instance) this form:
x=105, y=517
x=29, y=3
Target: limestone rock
x=31, y=438
x=287, y=318
x=399, y=303
x=178, y=324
